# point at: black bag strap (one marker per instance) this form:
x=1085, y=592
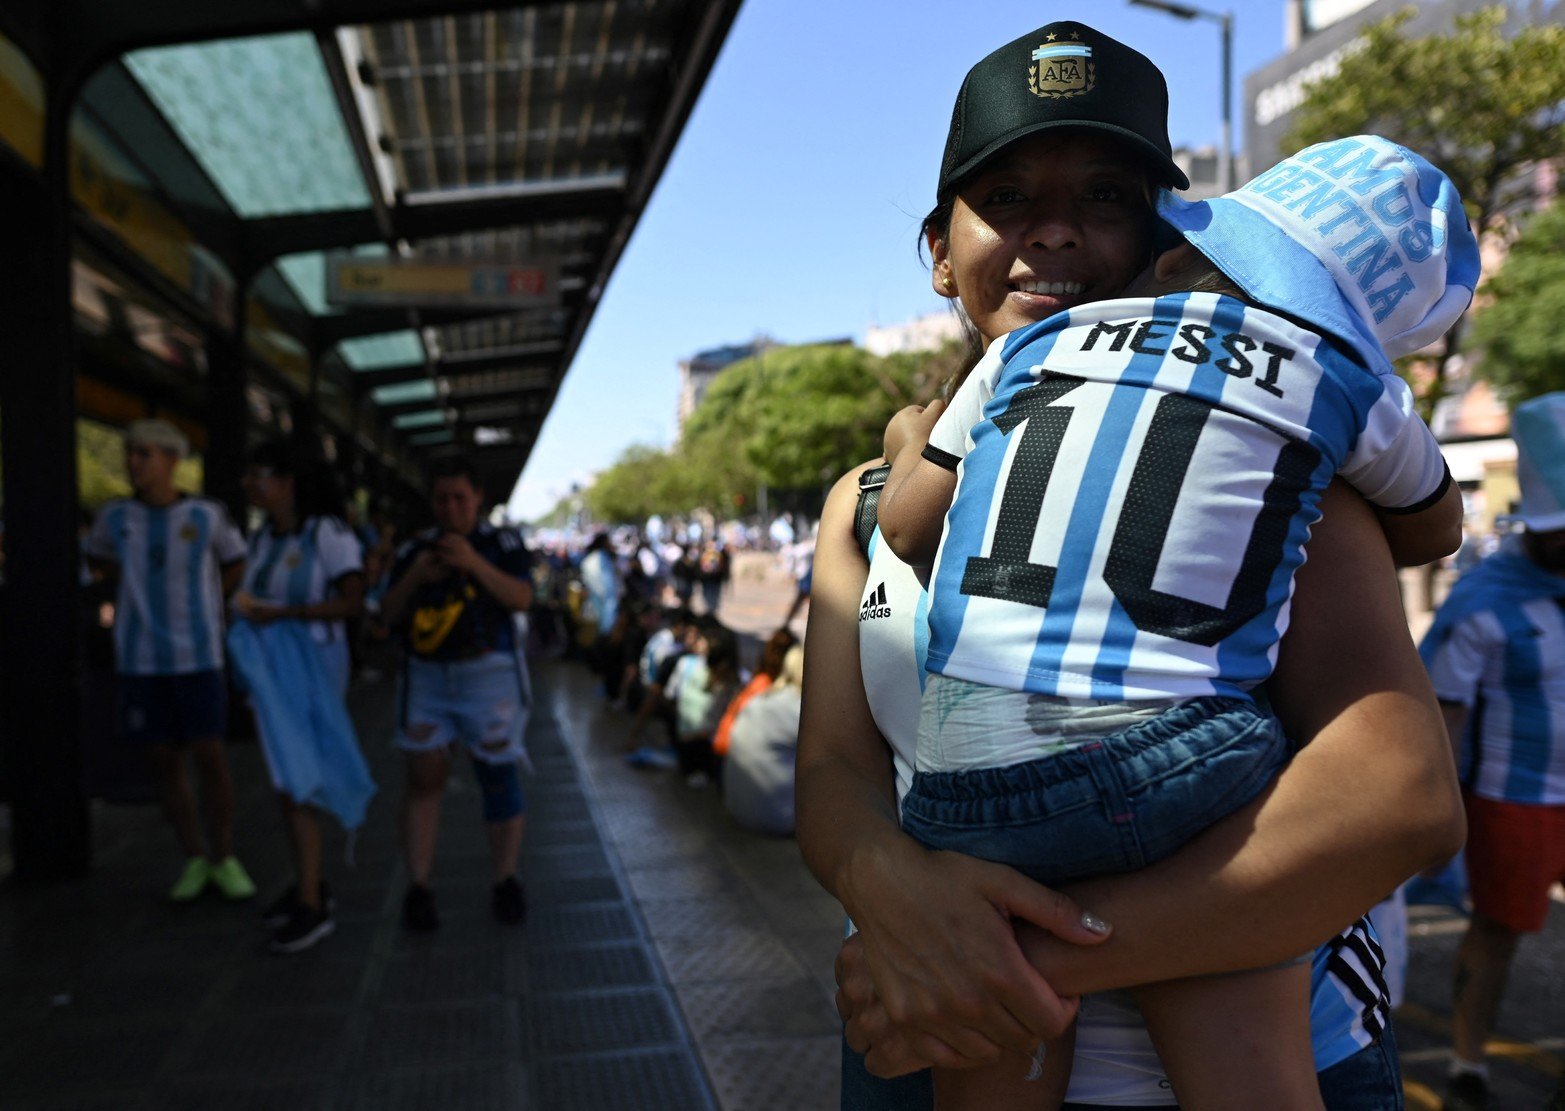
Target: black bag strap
x=864, y=515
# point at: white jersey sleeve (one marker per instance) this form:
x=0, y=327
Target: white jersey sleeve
x=339, y=550
x=228, y=544
x=950, y=438
x=1396, y=463
x=1458, y=666
x=100, y=540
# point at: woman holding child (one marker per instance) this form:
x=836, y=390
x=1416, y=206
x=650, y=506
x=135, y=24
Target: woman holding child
x=1057, y=145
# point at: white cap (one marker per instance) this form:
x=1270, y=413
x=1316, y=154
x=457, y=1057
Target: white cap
x=158, y=433
x=1538, y=427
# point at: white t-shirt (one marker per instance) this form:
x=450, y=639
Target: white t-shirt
x=168, y=617
x=303, y=567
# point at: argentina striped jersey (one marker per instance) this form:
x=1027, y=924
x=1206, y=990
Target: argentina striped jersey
x=302, y=568
x=1137, y=479
x=169, y=611
x=1498, y=648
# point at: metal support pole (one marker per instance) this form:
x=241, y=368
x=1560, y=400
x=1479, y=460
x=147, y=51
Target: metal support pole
x=40, y=651
x=1226, y=155
x=228, y=410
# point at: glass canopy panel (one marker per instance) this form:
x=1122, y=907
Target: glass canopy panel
x=404, y=392
x=420, y=420
x=306, y=273
x=380, y=351
x=260, y=116
x=429, y=439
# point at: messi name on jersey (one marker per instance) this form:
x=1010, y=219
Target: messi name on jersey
x=1234, y=353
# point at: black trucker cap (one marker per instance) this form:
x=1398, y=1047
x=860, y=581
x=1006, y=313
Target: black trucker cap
x=1062, y=75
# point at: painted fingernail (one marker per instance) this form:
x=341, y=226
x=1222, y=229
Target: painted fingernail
x=1093, y=924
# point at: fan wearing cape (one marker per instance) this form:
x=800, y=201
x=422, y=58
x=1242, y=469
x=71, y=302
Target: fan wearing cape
x=304, y=579
x=1496, y=657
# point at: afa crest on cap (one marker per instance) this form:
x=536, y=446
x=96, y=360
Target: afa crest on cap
x=1062, y=68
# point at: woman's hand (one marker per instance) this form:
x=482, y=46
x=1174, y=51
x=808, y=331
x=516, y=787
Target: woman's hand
x=948, y=982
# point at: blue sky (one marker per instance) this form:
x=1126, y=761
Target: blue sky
x=793, y=199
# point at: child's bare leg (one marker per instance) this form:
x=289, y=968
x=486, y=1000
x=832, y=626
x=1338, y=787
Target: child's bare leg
x=1236, y=1042
x=1004, y=1086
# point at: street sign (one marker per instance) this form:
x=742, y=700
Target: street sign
x=441, y=283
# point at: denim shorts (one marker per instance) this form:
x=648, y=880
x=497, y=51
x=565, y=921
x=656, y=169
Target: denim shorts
x=1111, y=805
x=479, y=702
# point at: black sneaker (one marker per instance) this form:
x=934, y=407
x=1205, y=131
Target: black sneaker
x=284, y=907
x=418, y=909
x=510, y=901
x=1466, y=1091
x=304, y=929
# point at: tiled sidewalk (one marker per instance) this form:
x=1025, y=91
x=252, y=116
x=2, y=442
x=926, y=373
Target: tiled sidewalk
x=670, y=959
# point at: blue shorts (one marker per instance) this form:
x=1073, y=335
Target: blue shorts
x=1110, y=805
x=479, y=702
x=173, y=708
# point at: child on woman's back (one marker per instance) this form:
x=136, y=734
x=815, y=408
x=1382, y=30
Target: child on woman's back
x=1134, y=482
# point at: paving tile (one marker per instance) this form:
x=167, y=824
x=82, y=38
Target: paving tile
x=66, y=1049
x=728, y=955
x=440, y=1034
x=781, y=1008
x=595, y=1022
x=597, y=966
x=438, y=976
x=667, y=1080
x=292, y=1043
x=493, y=1087
x=245, y=1095
x=581, y=924
x=775, y=1073
x=699, y=918
x=681, y=879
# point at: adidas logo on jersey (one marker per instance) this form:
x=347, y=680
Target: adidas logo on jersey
x=875, y=605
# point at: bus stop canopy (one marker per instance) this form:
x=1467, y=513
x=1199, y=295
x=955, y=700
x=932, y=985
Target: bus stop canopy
x=427, y=198
x=377, y=226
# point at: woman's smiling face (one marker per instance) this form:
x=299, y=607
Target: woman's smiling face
x=1050, y=222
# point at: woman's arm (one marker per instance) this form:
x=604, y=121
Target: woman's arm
x=936, y=926
x=1371, y=800
x=918, y=493
x=1429, y=534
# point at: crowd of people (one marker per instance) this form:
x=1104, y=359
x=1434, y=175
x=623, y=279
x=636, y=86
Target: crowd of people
x=1063, y=633
x=678, y=672
x=282, y=611
x=288, y=615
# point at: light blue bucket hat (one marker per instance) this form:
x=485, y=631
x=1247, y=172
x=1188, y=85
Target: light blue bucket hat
x=1358, y=237
x=1538, y=427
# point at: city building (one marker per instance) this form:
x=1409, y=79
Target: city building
x=697, y=373
x=922, y=333
x=1471, y=422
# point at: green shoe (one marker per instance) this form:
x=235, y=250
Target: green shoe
x=192, y=881
x=231, y=879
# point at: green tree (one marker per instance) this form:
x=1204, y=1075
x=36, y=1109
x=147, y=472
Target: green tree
x=791, y=418
x=1519, y=334
x=1482, y=106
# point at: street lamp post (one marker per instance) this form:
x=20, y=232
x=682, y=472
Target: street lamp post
x=1225, y=158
